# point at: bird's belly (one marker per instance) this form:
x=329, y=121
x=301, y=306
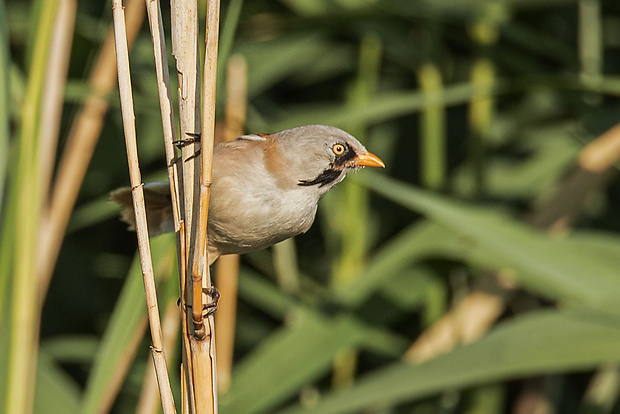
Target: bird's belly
x=250, y=220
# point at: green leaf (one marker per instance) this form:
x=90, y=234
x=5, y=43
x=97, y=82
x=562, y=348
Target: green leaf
x=551, y=267
x=55, y=391
x=412, y=244
x=384, y=106
x=128, y=318
x=5, y=65
x=275, y=60
x=544, y=342
x=296, y=355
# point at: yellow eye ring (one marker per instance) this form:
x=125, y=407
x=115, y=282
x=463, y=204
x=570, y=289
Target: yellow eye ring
x=338, y=149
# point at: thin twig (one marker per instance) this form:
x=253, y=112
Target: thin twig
x=124, y=83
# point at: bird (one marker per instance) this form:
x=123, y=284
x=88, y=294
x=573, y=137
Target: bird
x=265, y=187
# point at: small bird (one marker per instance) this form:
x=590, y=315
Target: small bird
x=265, y=187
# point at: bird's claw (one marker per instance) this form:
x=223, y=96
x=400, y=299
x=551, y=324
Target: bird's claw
x=214, y=294
x=194, y=137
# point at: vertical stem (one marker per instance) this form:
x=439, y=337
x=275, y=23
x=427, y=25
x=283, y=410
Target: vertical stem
x=5, y=64
x=24, y=313
x=53, y=95
x=480, y=115
x=481, y=108
x=590, y=41
x=285, y=266
x=184, y=15
x=227, y=35
x=165, y=104
x=79, y=149
x=124, y=84
x=203, y=340
x=7, y=210
x=432, y=129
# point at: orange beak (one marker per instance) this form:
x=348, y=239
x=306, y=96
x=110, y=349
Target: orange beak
x=368, y=159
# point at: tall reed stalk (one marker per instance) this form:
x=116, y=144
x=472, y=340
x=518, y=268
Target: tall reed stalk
x=137, y=192
x=21, y=226
x=4, y=107
x=199, y=385
x=432, y=129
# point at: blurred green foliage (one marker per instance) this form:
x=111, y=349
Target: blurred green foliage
x=479, y=109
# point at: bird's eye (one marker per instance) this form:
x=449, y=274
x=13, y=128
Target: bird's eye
x=338, y=149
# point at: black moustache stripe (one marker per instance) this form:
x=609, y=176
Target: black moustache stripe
x=326, y=177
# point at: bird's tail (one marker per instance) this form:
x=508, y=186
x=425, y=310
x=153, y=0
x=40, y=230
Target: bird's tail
x=158, y=207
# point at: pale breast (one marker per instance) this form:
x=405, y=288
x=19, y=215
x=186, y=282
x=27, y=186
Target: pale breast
x=249, y=210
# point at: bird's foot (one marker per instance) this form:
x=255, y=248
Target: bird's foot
x=194, y=137
x=211, y=307
x=208, y=308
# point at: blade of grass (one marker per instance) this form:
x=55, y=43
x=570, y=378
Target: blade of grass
x=413, y=244
x=5, y=65
x=123, y=333
x=227, y=36
x=7, y=210
x=56, y=392
x=384, y=106
x=301, y=352
x=24, y=312
x=545, y=341
x=546, y=265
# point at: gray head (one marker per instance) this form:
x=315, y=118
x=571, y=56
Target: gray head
x=322, y=155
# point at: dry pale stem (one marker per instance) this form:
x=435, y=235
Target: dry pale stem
x=165, y=104
x=79, y=148
x=53, y=95
x=184, y=14
x=602, y=153
x=227, y=270
x=200, y=270
x=203, y=340
x=473, y=317
x=149, y=397
x=236, y=97
x=124, y=83
x=121, y=368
